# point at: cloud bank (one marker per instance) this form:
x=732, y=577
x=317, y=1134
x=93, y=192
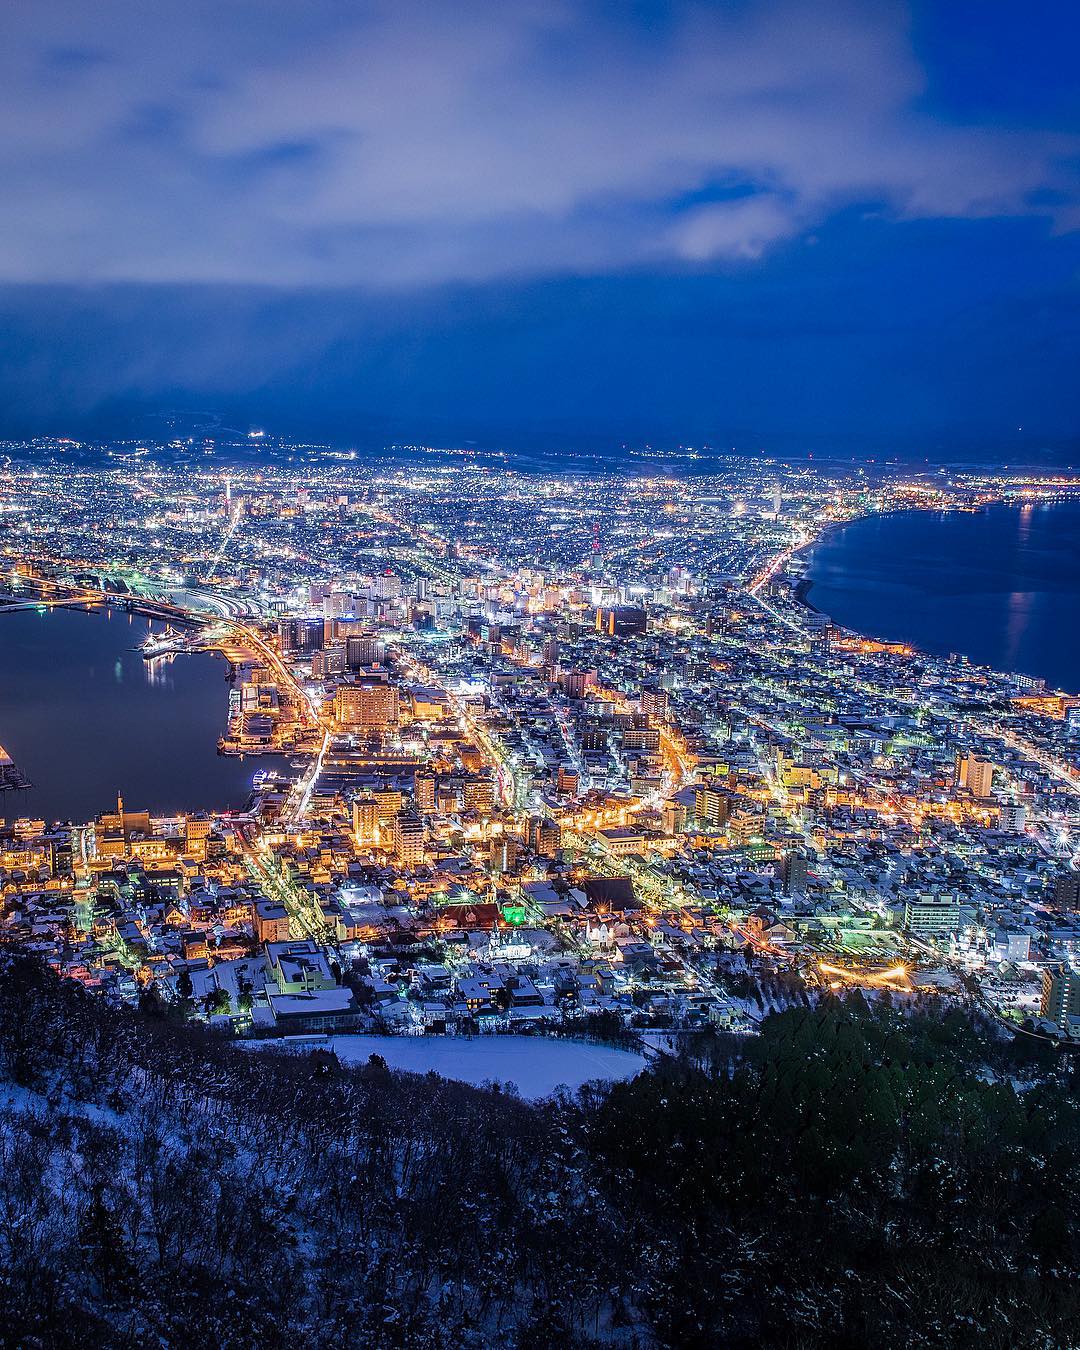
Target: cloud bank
x=407, y=142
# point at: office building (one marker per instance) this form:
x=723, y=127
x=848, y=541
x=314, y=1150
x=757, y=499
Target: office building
x=363, y=649
x=621, y=620
x=301, y=637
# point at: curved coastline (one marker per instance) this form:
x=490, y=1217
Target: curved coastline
x=150, y=732
x=806, y=585
x=832, y=527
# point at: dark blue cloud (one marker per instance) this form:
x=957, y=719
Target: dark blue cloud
x=868, y=340
x=760, y=221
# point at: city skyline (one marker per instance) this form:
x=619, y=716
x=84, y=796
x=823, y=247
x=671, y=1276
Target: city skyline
x=539, y=676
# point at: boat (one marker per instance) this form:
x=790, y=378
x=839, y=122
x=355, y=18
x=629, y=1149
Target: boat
x=167, y=643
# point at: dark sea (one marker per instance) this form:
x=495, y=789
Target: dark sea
x=84, y=716
x=1001, y=587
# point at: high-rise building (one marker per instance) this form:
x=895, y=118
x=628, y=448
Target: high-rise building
x=1060, y=995
x=710, y=806
x=1013, y=819
x=301, y=636
x=976, y=774
x=523, y=785
x=654, y=701
x=794, y=870
x=340, y=605
x=387, y=586
x=408, y=840
x=424, y=793
x=574, y=683
x=543, y=836
x=61, y=854
x=1066, y=890
x=370, y=705
x=388, y=802
x=365, y=820
x=504, y=853
x=328, y=663
x=673, y=814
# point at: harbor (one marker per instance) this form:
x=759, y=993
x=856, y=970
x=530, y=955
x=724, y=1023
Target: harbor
x=95, y=715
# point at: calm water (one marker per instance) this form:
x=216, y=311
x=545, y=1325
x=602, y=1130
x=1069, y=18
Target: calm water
x=1003, y=587
x=83, y=716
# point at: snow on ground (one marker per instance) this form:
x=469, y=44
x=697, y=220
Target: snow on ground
x=535, y=1065
x=665, y=1041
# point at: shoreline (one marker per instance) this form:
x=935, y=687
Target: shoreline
x=46, y=786
x=805, y=584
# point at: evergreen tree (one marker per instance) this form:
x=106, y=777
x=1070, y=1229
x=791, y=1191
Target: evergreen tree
x=105, y=1248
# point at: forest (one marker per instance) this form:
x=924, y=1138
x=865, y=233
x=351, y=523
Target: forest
x=856, y=1174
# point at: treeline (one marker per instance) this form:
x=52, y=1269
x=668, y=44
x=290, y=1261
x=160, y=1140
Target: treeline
x=848, y=1176
x=852, y=1177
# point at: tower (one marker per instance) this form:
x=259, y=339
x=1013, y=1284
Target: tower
x=596, y=558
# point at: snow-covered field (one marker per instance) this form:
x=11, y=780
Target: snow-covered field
x=536, y=1066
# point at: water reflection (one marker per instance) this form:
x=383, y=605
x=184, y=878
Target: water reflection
x=1020, y=606
x=157, y=670
x=83, y=714
x=1003, y=586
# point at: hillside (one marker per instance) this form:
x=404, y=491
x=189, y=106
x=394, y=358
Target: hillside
x=849, y=1176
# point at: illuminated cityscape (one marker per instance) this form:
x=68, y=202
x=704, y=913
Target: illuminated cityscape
x=545, y=748
x=540, y=675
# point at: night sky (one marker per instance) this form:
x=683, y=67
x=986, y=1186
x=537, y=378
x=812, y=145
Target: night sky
x=786, y=226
